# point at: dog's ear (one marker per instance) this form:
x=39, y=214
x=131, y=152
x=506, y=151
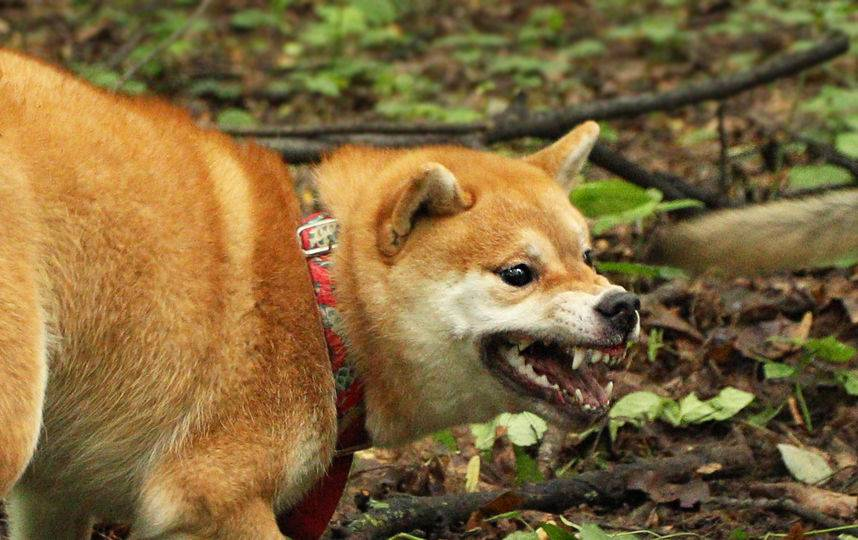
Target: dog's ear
x=563, y=159
x=433, y=190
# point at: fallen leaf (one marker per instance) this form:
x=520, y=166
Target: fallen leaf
x=805, y=465
x=709, y=468
x=472, y=474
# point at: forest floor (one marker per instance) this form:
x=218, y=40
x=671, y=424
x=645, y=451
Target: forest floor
x=785, y=340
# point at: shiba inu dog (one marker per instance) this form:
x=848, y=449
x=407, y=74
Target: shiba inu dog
x=162, y=357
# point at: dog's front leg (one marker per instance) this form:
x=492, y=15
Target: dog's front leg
x=23, y=355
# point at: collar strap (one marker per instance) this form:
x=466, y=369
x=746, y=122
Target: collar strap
x=317, y=237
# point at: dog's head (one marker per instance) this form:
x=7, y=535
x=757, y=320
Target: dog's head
x=469, y=287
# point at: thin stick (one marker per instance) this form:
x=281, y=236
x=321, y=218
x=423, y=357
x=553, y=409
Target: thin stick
x=169, y=40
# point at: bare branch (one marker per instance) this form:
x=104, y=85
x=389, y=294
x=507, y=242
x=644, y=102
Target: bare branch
x=406, y=513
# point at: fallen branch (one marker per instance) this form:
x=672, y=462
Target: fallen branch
x=554, y=123
x=549, y=124
x=608, y=487
x=783, y=505
x=301, y=144
x=670, y=185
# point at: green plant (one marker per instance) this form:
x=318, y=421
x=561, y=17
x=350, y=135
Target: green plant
x=824, y=351
x=615, y=202
x=523, y=430
x=638, y=408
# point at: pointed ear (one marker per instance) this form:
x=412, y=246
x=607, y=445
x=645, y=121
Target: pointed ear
x=563, y=159
x=433, y=190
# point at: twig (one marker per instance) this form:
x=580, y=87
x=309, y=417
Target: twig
x=723, y=158
x=671, y=186
x=169, y=40
x=784, y=505
x=815, y=148
x=406, y=513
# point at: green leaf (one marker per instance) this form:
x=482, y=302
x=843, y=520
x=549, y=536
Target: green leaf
x=556, y=533
x=654, y=343
x=729, y=402
x=221, y=89
x=522, y=535
x=235, y=118
x=738, y=534
x=813, y=176
x=446, y=438
x=765, y=416
x=848, y=144
x=523, y=429
x=249, y=19
x=778, y=370
x=472, y=474
x=591, y=531
x=640, y=270
x=585, y=48
x=608, y=197
x=804, y=465
x=635, y=408
x=849, y=380
x=526, y=468
x=484, y=434
x=830, y=349
x=376, y=12
x=693, y=411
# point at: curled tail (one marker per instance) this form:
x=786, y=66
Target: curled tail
x=781, y=235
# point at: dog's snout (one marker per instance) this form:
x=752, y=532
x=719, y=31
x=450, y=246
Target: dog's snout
x=620, y=308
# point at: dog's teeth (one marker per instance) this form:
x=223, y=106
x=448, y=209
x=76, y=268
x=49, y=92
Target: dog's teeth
x=542, y=380
x=513, y=358
x=580, y=354
x=579, y=396
x=524, y=343
x=609, y=389
x=595, y=357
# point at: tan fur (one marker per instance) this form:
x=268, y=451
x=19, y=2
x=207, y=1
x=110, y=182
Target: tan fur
x=158, y=331
x=782, y=235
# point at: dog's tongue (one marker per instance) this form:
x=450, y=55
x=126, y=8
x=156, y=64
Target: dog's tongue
x=583, y=378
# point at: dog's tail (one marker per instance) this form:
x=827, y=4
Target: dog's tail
x=783, y=235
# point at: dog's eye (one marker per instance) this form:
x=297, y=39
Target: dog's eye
x=517, y=276
x=588, y=257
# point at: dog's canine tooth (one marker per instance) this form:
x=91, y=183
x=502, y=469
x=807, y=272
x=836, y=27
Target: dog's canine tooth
x=514, y=358
x=579, y=396
x=609, y=389
x=579, y=357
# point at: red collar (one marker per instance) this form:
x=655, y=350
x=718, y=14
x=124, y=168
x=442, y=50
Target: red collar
x=310, y=517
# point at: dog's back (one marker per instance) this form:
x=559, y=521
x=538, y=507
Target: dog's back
x=143, y=254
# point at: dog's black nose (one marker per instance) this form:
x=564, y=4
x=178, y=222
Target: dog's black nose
x=620, y=308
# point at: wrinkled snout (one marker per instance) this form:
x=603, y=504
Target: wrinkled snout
x=620, y=310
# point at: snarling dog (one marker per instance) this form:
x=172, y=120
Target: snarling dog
x=162, y=357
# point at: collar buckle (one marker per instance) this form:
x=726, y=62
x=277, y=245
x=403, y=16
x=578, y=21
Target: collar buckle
x=320, y=238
